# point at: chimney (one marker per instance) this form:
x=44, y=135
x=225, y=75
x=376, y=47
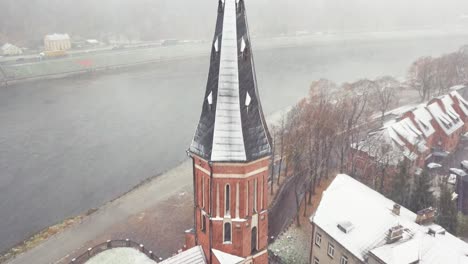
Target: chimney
x=425, y=216
x=394, y=234
x=396, y=209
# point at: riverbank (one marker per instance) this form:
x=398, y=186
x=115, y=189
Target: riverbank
x=154, y=193
x=82, y=63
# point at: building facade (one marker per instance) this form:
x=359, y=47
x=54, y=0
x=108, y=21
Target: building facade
x=57, y=42
x=231, y=150
x=354, y=224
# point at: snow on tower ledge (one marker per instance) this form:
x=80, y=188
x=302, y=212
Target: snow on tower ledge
x=229, y=129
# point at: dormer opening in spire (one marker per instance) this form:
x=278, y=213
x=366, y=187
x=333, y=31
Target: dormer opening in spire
x=210, y=100
x=216, y=45
x=248, y=99
x=243, y=47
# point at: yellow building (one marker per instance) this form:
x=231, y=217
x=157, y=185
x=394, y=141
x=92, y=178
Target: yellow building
x=57, y=42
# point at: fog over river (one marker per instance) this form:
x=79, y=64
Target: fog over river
x=72, y=144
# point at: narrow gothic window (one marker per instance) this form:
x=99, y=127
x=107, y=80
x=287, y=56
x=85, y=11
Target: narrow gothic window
x=227, y=200
x=254, y=240
x=203, y=192
x=203, y=223
x=227, y=232
x=247, y=199
x=255, y=200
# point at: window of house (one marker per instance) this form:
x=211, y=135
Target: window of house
x=316, y=260
x=227, y=200
x=331, y=250
x=318, y=239
x=344, y=260
x=227, y=232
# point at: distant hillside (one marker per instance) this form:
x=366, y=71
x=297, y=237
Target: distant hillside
x=27, y=21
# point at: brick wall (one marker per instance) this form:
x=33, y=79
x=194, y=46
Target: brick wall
x=247, y=187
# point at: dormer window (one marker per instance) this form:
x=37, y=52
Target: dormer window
x=216, y=45
x=248, y=100
x=209, y=99
x=243, y=46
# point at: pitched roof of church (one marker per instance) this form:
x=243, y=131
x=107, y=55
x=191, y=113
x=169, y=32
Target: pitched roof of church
x=232, y=127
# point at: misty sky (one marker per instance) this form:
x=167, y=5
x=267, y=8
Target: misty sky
x=158, y=19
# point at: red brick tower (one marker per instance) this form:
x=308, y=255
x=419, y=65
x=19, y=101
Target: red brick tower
x=231, y=149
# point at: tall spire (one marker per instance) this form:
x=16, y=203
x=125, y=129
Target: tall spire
x=232, y=127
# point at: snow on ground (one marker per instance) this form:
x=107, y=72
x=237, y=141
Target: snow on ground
x=120, y=256
x=293, y=246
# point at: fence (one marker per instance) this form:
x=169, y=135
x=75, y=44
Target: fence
x=109, y=244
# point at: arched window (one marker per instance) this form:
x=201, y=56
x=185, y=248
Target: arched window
x=227, y=232
x=253, y=244
x=227, y=200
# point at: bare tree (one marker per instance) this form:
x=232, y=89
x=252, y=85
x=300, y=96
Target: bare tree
x=421, y=77
x=384, y=95
x=281, y=138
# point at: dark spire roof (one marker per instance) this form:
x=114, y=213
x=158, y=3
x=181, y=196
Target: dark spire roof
x=232, y=127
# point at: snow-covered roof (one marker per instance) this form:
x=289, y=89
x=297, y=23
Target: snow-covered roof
x=448, y=120
x=434, y=165
x=388, y=143
x=56, y=36
x=120, y=256
x=232, y=127
x=458, y=172
x=194, y=255
x=462, y=103
x=348, y=200
x=412, y=126
x=225, y=258
x=423, y=118
x=228, y=139
x=457, y=87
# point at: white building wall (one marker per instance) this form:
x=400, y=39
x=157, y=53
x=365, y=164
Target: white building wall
x=320, y=251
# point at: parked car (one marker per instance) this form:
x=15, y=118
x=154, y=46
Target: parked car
x=464, y=165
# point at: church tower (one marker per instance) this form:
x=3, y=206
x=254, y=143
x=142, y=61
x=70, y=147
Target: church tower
x=231, y=149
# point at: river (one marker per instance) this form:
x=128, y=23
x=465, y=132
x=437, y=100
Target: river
x=72, y=144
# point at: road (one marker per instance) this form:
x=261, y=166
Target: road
x=72, y=144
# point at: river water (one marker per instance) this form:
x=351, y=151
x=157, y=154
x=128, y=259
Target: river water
x=72, y=144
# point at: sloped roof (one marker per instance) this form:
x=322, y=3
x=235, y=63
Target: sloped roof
x=120, y=255
x=447, y=118
x=232, y=126
x=194, y=255
x=348, y=200
x=416, y=129
x=225, y=258
x=56, y=36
